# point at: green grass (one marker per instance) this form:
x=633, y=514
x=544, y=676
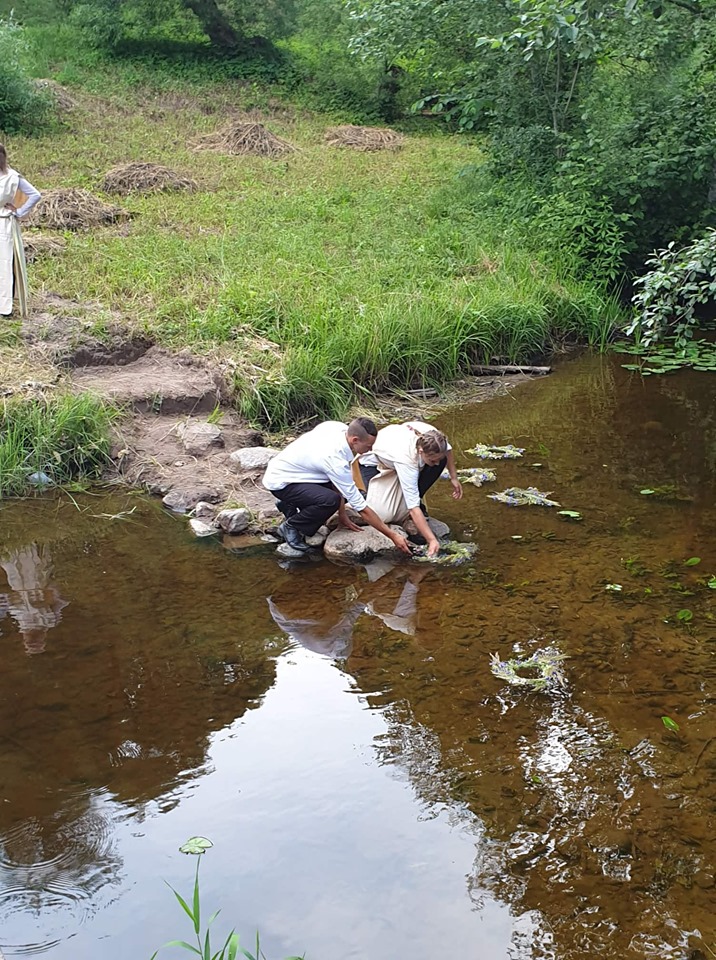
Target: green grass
x=323, y=275
x=64, y=437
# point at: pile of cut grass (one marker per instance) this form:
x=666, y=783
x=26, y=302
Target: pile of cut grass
x=238, y=139
x=366, y=139
x=138, y=177
x=66, y=438
x=73, y=209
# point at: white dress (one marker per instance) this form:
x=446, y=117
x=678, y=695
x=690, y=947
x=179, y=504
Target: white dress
x=12, y=254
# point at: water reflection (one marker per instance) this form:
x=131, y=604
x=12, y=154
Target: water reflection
x=325, y=624
x=34, y=601
x=387, y=773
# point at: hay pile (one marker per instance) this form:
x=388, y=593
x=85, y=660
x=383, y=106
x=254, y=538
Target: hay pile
x=245, y=138
x=144, y=178
x=38, y=245
x=64, y=101
x=364, y=138
x=73, y=209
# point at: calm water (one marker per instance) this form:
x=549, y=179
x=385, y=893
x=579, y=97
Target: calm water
x=371, y=789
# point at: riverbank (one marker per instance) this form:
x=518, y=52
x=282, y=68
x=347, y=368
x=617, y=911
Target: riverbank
x=313, y=279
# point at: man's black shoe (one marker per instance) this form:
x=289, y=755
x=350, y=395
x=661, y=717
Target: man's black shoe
x=292, y=537
x=286, y=509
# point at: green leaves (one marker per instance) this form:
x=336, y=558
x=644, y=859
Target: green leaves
x=685, y=616
x=572, y=515
x=670, y=724
x=196, y=845
x=692, y=562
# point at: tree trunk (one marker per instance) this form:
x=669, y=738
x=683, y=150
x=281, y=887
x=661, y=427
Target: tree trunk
x=216, y=26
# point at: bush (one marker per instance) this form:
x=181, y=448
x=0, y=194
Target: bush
x=23, y=107
x=671, y=293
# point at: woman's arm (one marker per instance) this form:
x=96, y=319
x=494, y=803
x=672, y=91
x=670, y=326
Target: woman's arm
x=457, y=490
x=32, y=195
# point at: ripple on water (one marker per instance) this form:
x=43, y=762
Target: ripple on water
x=51, y=878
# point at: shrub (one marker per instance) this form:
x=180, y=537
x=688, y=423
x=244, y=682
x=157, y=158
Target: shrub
x=670, y=294
x=23, y=107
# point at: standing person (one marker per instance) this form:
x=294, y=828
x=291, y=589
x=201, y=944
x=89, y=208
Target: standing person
x=13, y=272
x=406, y=460
x=312, y=479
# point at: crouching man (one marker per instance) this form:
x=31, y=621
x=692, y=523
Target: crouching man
x=312, y=479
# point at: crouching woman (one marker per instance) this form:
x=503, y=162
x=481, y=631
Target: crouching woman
x=406, y=460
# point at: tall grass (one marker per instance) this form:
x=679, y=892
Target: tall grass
x=66, y=438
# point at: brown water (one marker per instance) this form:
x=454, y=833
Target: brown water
x=371, y=789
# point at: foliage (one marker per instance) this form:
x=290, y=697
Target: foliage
x=543, y=669
x=670, y=294
x=65, y=438
x=487, y=451
x=521, y=497
x=23, y=107
x=231, y=948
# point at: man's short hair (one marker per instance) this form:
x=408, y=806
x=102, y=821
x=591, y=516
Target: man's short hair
x=362, y=428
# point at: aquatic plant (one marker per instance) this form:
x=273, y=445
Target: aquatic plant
x=522, y=497
x=474, y=475
x=538, y=672
x=488, y=452
x=451, y=554
x=196, y=846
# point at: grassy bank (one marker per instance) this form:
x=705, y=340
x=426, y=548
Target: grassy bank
x=322, y=275
x=54, y=441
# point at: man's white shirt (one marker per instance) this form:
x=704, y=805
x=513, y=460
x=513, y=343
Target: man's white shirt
x=322, y=455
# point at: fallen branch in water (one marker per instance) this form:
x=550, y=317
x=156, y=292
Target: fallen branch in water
x=510, y=368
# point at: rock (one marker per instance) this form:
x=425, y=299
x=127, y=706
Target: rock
x=318, y=538
x=440, y=529
x=204, y=511
x=199, y=437
x=202, y=529
x=182, y=500
x=361, y=547
x=284, y=550
x=234, y=521
x=252, y=458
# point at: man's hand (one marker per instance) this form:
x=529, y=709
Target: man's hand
x=345, y=521
x=433, y=548
x=457, y=490
x=402, y=544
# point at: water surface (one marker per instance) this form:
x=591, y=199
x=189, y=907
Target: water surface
x=370, y=788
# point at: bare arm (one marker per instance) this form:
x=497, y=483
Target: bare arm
x=424, y=530
x=374, y=520
x=457, y=490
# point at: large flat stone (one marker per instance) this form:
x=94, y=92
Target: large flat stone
x=362, y=547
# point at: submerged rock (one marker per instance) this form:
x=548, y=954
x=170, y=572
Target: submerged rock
x=234, y=521
x=318, y=538
x=441, y=530
x=202, y=529
x=361, y=547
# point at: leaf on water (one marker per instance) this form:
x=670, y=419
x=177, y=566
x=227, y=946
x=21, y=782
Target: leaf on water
x=570, y=514
x=685, y=616
x=646, y=492
x=670, y=724
x=196, y=845
x=711, y=582
x=692, y=561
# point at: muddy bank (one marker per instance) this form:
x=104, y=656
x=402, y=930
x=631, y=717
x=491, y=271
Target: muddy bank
x=181, y=438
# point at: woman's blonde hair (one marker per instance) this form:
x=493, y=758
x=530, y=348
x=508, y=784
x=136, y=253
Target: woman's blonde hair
x=434, y=443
